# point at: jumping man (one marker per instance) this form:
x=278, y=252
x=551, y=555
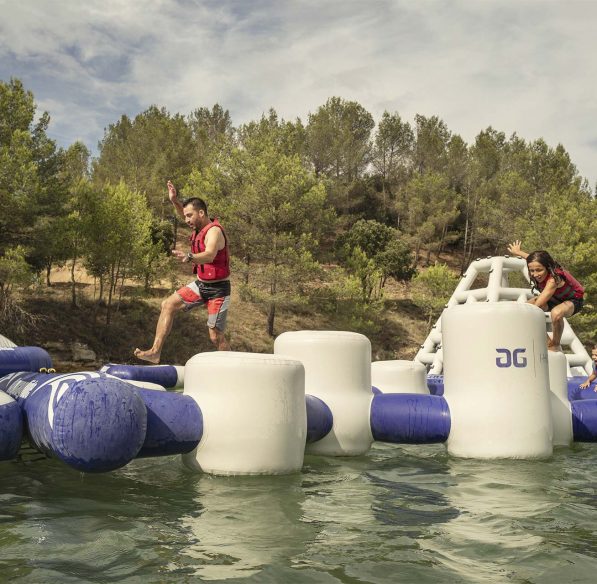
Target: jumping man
x=211, y=263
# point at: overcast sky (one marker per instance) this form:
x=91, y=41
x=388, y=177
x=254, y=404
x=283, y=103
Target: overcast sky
x=524, y=66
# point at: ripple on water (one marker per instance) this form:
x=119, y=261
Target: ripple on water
x=398, y=514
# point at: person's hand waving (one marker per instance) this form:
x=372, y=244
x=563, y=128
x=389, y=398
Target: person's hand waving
x=172, y=194
x=515, y=249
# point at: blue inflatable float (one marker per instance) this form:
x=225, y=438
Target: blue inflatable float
x=95, y=423
x=11, y=427
x=167, y=376
x=91, y=422
x=15, y=359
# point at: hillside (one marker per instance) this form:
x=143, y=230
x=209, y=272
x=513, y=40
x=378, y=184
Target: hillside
x=78, y=338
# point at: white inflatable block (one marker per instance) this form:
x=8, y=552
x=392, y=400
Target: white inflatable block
x=399, y=376
x=496, y=380
x=179, y=376
x=254, y=414
x=337, y=371
x=560, y=404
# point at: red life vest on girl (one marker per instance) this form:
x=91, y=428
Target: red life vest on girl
x=571, y=288
x=219, y=268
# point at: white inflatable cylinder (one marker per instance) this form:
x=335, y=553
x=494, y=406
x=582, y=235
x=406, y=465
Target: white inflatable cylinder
x=560, y=404
x=399, y=376
x=337, y=371
x=496, y=380
x=254, y=413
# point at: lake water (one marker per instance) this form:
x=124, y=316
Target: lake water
x=397, y=514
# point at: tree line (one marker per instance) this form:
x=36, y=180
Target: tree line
x=366, y=200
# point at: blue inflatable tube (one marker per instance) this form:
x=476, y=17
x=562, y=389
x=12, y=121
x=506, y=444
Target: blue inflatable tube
x=174, y=423
x=410, y=418
x=164, y=375
x=14, y=359
x=11, y=427
x=91, y=422
x=584, y=420
x=576, y=393
x=319, y=418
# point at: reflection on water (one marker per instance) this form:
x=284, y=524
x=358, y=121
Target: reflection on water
x=504, y=529
x=484, y=541
x=247, y=523
x=398, y=514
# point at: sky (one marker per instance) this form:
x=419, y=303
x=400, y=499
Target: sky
x=524, y=66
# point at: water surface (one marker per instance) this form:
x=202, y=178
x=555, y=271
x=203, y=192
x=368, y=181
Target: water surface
x=397, y=514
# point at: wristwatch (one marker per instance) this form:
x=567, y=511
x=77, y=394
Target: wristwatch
x=189, y=257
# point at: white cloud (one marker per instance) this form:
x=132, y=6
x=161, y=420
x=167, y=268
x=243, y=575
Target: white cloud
x=524, y=66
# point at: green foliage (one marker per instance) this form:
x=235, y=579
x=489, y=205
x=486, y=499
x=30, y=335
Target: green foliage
x=432, y=288
x=17, y=110
x=273, y=208
x=145, y=153
x=366, y=272
x=14, y=270
x=338, y=136
x=20, y=163
x=371, y=236
x=15, y=274
x=396, y=261
x=341, y=297
x=285, y=191
x=428, y=209
x=212, y=133
x=431, y=147
x=287, y=137
x=117, y=228
x=31, y=194
x=393, y=148
x=373, y=251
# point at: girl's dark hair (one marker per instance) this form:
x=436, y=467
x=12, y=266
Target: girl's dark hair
x=547, y=262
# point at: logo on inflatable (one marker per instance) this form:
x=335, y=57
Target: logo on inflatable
x=509, y=358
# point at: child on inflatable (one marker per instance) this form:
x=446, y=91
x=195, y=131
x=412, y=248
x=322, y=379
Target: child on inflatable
x=593, y=375
x=559, y=292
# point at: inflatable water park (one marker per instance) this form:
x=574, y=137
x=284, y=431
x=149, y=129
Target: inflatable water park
x=483, y=383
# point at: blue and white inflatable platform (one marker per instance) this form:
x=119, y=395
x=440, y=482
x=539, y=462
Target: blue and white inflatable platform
x=483, y=383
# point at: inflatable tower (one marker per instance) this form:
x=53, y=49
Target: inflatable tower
x=488, y=280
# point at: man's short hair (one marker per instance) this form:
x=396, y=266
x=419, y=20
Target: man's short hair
x=197, y=204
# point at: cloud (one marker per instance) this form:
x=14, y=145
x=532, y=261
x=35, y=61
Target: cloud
x=524, y=67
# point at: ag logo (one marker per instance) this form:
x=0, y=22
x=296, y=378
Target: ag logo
x=509, y=358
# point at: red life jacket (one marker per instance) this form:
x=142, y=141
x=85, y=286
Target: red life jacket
x=219, y=268
x=571, y=288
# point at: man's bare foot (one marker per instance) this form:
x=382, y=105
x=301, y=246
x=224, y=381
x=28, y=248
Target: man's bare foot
x=555, y=348
x=148, y=355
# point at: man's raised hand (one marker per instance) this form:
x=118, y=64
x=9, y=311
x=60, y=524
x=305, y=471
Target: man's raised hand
x=172, y=194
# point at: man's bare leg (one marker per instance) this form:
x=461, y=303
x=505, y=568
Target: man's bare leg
x=218, y=339
x=170, y=307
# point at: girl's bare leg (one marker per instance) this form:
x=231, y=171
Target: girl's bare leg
x=558, y=313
